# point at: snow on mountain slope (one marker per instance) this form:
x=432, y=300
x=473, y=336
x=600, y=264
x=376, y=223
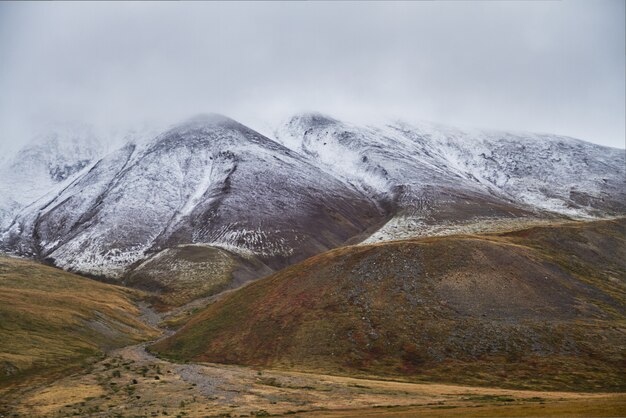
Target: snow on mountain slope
x=215, y=182
x=50, y=162
x=551, y=172
x=43, y=164
x=443, y=180
x=209, y=180
x=45, y=224
x=420, y=186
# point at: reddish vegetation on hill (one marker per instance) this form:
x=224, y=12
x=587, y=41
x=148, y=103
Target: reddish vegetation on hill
x=542, y=307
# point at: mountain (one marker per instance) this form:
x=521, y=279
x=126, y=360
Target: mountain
x=152, y=212
x=209, y=180
x=50, y=161
x=44, y=165
x=443, y=180
x=540, y=307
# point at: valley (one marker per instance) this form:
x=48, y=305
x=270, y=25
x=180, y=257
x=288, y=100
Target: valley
x=313, y=209
x=131, y=381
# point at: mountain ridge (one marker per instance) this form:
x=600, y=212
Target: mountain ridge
x=183, y=180
x=319, y=184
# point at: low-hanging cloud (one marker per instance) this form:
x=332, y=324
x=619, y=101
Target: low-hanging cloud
x=554, y=66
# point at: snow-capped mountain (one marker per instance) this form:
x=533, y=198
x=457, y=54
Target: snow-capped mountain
x=442, y=178
x=44, y=165
x=51, y=161
x=208, y=180
x=550, y=172
x=321, y=183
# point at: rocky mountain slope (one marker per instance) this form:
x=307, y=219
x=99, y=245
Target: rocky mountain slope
x=540, y=307
x=260, y=204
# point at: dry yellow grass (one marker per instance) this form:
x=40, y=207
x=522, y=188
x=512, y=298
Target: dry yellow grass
x=51, y=319
x=614, y=406
x=55, y=397
x=130, y=382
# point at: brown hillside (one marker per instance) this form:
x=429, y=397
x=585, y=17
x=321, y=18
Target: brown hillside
x=541, y=307
x=51, y=320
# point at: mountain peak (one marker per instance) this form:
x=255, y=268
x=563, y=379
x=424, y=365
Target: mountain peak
x=313, y=119
x=204, y=122
x=209, y=119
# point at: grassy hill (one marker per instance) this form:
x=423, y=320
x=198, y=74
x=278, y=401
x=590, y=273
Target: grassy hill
x=51, y=320
x=542, y=307
x=180, y=274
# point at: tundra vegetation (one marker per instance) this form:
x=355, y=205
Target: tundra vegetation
x=514, y=323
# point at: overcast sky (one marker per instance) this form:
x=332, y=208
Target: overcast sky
x=548, y=66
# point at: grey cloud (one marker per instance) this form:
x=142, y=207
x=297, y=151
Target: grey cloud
x=544, y=66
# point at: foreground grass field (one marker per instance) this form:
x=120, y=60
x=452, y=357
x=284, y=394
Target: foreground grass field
x=51, y=320
x=129, y=382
